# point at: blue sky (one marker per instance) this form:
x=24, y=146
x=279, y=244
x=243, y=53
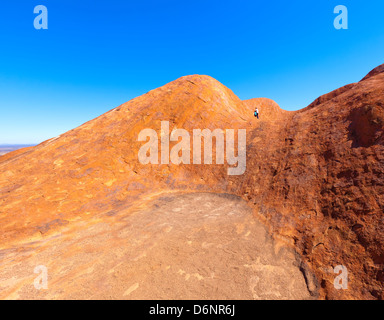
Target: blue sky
x=97, y=54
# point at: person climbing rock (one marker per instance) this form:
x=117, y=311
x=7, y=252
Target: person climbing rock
x=257, y=113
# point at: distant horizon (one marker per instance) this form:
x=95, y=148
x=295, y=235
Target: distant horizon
x=7, y=148
x=16, y=144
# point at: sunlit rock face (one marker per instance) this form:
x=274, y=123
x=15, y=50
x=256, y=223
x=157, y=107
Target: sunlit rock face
x=314, y=178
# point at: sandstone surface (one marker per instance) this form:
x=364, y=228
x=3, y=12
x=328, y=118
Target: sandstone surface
x=314, y=179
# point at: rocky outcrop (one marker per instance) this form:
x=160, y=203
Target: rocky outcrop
x=374, y=72
x=315, y=176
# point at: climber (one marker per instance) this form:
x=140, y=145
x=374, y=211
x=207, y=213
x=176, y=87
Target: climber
x=257, y=113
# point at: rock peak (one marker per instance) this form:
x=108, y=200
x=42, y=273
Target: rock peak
x=374, y=72
x=314, y=177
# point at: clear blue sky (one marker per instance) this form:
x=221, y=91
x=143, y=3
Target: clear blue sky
x=97, y=54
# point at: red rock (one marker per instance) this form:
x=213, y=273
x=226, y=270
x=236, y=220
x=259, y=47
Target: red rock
x=315, y=176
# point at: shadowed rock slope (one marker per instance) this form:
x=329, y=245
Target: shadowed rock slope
x=315, y=177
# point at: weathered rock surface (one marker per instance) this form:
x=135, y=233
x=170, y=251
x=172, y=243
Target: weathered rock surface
x=315, y=177
x=177, y=246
